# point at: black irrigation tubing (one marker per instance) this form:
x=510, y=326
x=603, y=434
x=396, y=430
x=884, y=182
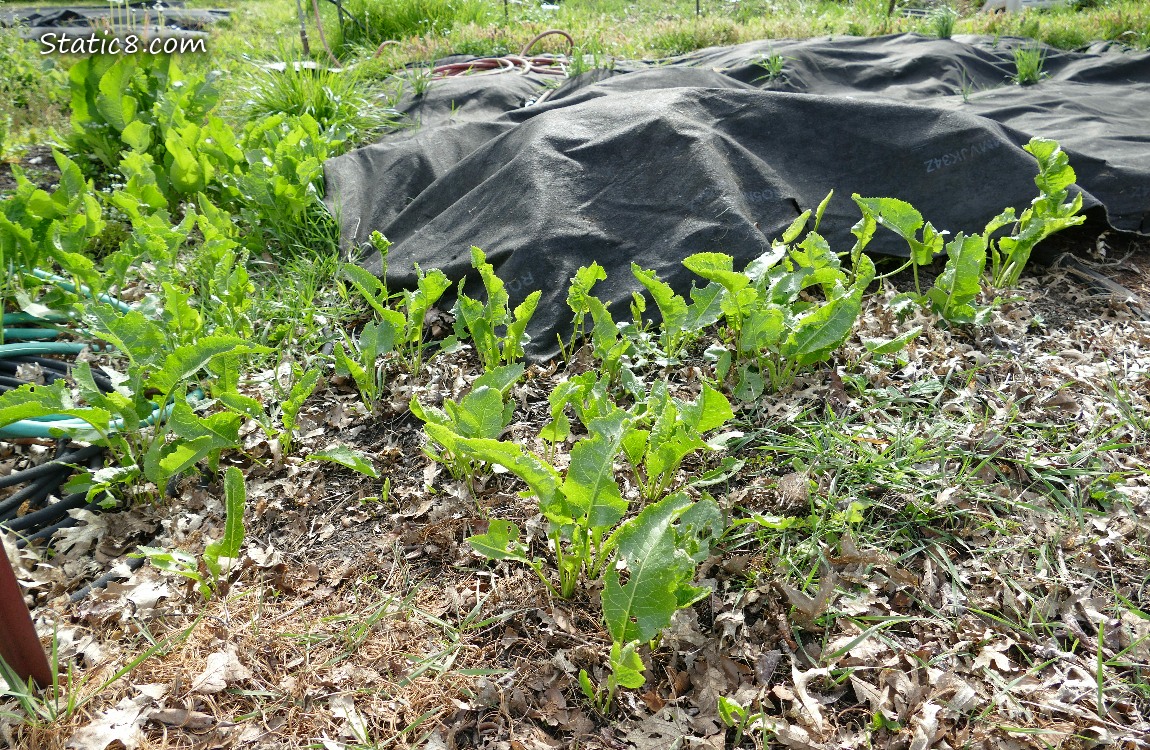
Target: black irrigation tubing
x=32, y=493
x=134, y=563
x=72, y=501
x=60, y=463
x=10, y=365
x=47, y=515
x=45, y=479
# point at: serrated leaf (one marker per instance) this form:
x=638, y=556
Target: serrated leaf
x=626, y=666
x=638, y=609
x=590, y=487
x=235, y=498
x=185, y=361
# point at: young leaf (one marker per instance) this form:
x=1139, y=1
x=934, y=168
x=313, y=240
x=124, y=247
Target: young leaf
x=626, y=666
x=638, y=609
x=890, y=346
x=501, y=542
x=235, y=497
x=345, y=456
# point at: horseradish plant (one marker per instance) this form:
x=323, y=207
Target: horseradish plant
x=484, y=321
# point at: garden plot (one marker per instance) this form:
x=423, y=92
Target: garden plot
x=811, y=498
x=941, y=547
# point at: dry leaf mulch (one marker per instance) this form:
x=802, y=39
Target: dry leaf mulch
x=1017, y=618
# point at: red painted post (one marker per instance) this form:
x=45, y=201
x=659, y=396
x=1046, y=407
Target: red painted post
x=19, y=644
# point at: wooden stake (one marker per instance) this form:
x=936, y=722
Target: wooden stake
x=19, y=645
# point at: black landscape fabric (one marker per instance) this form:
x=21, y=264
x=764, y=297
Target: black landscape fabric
x=653, y=162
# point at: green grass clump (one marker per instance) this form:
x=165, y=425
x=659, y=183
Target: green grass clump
x=33, y=91
x=342, y=100
x=1028, y=62
x=402, y=19
x=680, y=37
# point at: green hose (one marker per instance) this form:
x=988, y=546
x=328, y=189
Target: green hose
x=47, y=426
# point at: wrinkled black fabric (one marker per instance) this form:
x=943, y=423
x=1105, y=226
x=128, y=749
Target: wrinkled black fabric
x=78, y=20
x=650, y=163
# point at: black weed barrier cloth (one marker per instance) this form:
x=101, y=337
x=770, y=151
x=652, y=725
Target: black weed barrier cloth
x=651, y=163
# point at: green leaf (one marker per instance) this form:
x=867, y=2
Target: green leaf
x=517, y=337
x=132, y=333
x=500, y=378
x=114, y=102
x=501, y=542
x=35, y=401
x=479, y=414
x=349, y=457
x=539, y=476
x=707, y=412
x=189, y=359
x=626, y=666
x=706, y=307
x=719, y=268
x=638, y=609
x=818, y=333
x=370, y=288
x=961, y=280
x=301, y=390
x=137, y=135
x=235, y=497
x=894, y=214
x=592, y=494
x=796, y=228
x=890, y=346
x=672, y=307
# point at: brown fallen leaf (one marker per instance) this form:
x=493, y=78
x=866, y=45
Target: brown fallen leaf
x=182, y=718
x=222, y=668
x=118, y=727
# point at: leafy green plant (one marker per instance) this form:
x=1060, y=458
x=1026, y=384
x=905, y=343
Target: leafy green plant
x=398, y=331
x=1028, y=63
x=942, y=21
x=1050, y=212
x=218, y=556
x=681, y=323
x=278, y=189
x=483, y=413
x=303, y=385
x=736, y=716
x=345, y=101
x=141, y=103
x=148, y=421
x=772, y=65
x=667, y=430
x=773, y=328
x=626, y=670
x=358, y=357
x=583, y=505
x=607, y=345
x=484, y=321
x=955, y=291
x=37, y=227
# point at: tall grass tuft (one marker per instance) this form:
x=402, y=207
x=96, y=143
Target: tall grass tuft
x=942, y=21
x=1028, y=62
x=402, y=19
x=339, y=100
x=680, y=37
